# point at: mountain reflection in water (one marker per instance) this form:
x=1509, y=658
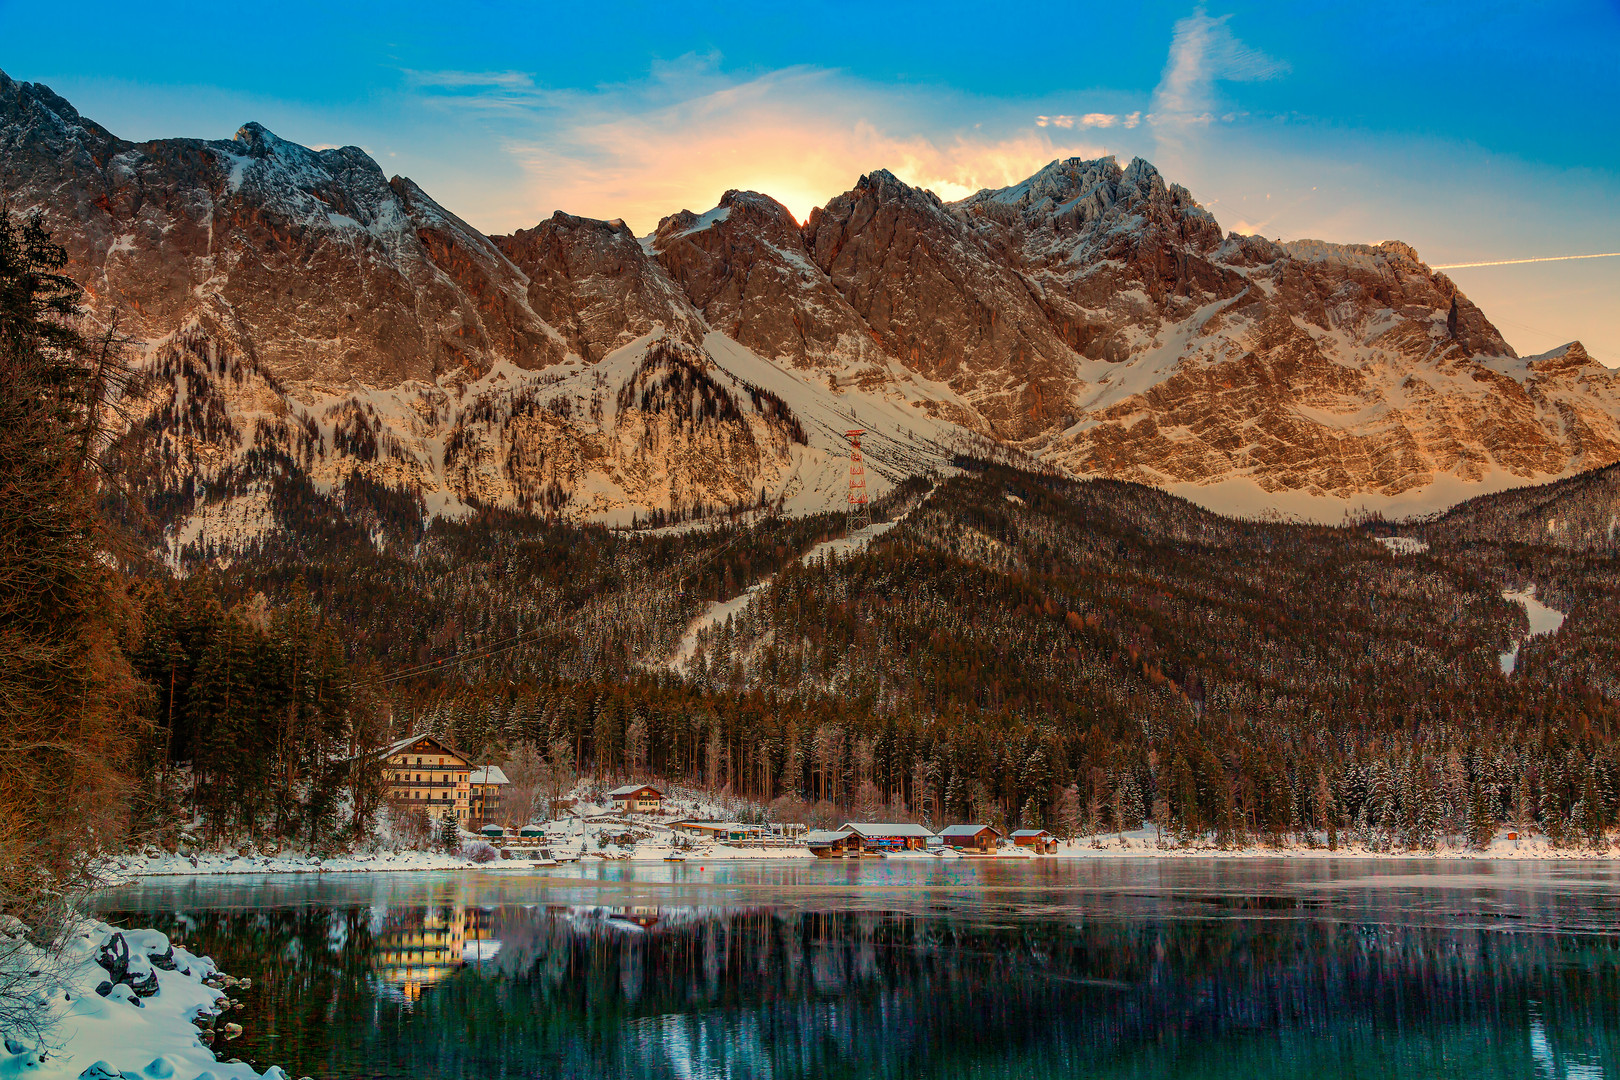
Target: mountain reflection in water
x=464, y=977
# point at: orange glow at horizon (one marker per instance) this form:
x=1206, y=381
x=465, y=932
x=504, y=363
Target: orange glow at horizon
x=801, y=145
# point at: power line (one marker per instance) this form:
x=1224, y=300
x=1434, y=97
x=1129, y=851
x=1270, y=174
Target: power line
x=553, y=629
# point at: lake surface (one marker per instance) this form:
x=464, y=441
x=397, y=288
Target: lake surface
x=963, y=968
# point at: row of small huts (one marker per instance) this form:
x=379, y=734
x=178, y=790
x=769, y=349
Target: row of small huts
x=852, y=838
x=861, y=838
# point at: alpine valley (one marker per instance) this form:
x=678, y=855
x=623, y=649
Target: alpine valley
x=1214, y=599
x=300, y=311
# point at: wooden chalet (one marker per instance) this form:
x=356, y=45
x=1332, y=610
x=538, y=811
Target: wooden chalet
x=425, y=773
x=980, y=838
x=638, y=799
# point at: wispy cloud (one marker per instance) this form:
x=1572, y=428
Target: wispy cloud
x=1203, y=52
x=681, y=137
x=1091, y=120
x=510, y=81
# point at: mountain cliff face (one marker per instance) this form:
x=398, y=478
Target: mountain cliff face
x=942, y=303
x=312, y=262
x=593, y=281
x=300, y=309
x=1300, y=369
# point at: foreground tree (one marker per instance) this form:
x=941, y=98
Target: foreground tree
x=66, y=692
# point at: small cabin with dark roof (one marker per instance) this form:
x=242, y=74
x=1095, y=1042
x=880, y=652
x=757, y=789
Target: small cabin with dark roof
x=980, y=838
x=638, y=798
x=1038, y=839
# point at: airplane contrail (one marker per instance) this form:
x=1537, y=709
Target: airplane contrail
x=1515, y=262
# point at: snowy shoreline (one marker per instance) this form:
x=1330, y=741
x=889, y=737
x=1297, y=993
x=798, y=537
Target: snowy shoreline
x=1134, y=845
x=115, y=1004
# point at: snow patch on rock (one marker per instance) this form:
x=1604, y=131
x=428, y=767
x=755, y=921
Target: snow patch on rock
x=124, y=1032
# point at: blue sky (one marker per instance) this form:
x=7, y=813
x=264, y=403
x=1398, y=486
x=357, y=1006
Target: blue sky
x=1474, y=131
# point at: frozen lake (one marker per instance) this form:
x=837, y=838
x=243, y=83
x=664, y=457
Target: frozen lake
x=1029, y=969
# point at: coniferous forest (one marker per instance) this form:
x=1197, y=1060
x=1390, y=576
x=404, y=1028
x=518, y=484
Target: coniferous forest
x=1018, y=648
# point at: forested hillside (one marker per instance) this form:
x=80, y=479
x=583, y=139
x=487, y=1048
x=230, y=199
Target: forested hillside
x=1017, y=647
x=1011, y=646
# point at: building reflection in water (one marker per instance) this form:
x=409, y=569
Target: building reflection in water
x=454, y=989
x=715, y=991
x=413, y=948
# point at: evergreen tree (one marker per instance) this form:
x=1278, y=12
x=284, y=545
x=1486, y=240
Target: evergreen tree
x=67, y=694
x=1030, y=815
x=1070, y=813
x=956, y=797
x=449, y=833
x=1480, y=823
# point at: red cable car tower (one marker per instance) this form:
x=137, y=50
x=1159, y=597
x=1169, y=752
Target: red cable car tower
x=858, y=513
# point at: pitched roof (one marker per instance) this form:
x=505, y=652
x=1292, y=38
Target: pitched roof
x=404, y=744
x=1031, y=832
x=878, y=828
x=825, y=836
x=631, y=789
x=490, y=774
x=717, y=826
x=967, y=830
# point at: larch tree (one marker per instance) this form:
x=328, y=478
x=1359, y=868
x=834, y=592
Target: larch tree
x=67, y=694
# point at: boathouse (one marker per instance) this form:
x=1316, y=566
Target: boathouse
x=888, y=836
x=980, y=838
x=1037, y=839
x=828, y=844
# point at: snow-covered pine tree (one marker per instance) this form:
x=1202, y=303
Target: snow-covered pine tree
x=956, y=796
x=449, y=832
x=1480, y=823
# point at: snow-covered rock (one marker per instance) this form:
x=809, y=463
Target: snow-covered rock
x=116, y=1004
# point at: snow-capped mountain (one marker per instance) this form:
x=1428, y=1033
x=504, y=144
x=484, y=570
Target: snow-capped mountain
x=301, y=310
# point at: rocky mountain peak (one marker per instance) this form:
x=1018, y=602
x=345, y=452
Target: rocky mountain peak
x=1403, y=253
x=1091, y=314
x=758, y=206
x=594, y=282
x=1565, y=359
x=883, y=187
x=260, y=141
x=1095, y=197
x=34, y=119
